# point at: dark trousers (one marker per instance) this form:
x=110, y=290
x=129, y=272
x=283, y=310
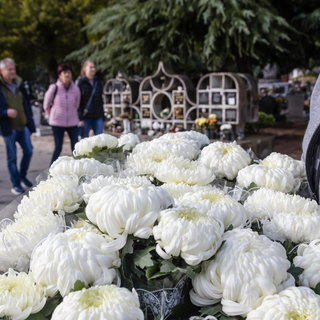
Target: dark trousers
x=23, y=139
x=58, y=134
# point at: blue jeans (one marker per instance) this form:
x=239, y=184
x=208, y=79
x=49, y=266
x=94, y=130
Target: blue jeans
x=23, y=138
x=58, y=134
x=95, y=124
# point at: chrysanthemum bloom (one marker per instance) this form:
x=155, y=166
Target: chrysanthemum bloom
x=60, y=193
x=177, y=190
x=98, y=183
x=201, y=318
x=283, y=161
x=85, y=146
x=294, y=303
x=200, y=138
x=247, y=268
x=81, y=168
x=219, y=205
x=146, y=156
x=285, y=216
x=20, y=237
x=100, y=302
x=180, y=170
x=187, y=232
x=261, y=176
x=20, y=296
x=128, y=141
x=77, y=254
x=226, y=159
x=308, y=258
x=119, y=210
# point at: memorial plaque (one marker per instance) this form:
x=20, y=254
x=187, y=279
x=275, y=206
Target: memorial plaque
x=146, y=98
x=146, y=112
x=178, y=112
x=231, y=98
x=231, y=115
x=216, y=98
x=218, y=113
x=203, y=98
x=117, y=98
x=178, y=97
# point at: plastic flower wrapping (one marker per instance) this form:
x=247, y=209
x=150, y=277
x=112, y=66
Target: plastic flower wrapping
x=100, y=302
x=291, y=303
x=285, y=216
x=175, y=228
x=225, y=159
x=20, y=295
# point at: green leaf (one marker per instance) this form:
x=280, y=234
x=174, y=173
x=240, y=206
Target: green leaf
x=128, y=248
x=143, y=258
x=78, y=285
x=167, y=266
x=317, y=289
x=50, y=305
x=211, y=310
x=295, y=271
x=37, y=316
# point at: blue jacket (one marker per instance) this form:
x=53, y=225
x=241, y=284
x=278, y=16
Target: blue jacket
x=5, y=123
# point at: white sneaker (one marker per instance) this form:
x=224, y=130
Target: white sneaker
x=17, y=190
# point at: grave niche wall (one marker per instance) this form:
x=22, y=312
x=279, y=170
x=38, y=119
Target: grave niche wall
x=165, y=98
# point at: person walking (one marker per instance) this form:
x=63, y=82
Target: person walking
x=91, y=112
x=61, y=103
x=16, y=123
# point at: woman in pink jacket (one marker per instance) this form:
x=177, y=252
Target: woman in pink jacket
x=61, y=103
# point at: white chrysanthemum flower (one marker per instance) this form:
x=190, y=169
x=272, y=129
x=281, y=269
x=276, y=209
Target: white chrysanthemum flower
x=81, y=168
x=247, y=268
x=187, y=232
x=98, y=183
x=283, y=161
x=146, y=156
x=226, y=159
x=20, y=296
x=261, y=176
x=180, y=170
x=100, y=302
x=20, y=237
x=128, y=141
x=219, y=205
x=60, y=193
x=308, y=258
x=177, y=190
x=294, y=303
x=198, y=137
x=77, y=254
x=201, y=318
x=119, y=209
x=85, y=146
x=285, y=216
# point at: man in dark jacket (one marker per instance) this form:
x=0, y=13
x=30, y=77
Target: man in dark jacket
x=91, y=113
x=16, y=123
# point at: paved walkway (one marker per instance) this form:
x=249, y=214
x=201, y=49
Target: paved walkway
x=43, y=147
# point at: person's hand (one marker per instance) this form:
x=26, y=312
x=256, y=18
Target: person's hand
x=11, y=113
x=81, y=123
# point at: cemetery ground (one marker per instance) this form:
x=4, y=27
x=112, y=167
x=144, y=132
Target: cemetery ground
x=288, y=139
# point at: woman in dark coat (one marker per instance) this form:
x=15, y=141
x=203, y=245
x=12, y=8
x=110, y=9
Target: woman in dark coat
x=91, y=112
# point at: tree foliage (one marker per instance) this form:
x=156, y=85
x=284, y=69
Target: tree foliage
x=43, y=31
x=193, y=35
